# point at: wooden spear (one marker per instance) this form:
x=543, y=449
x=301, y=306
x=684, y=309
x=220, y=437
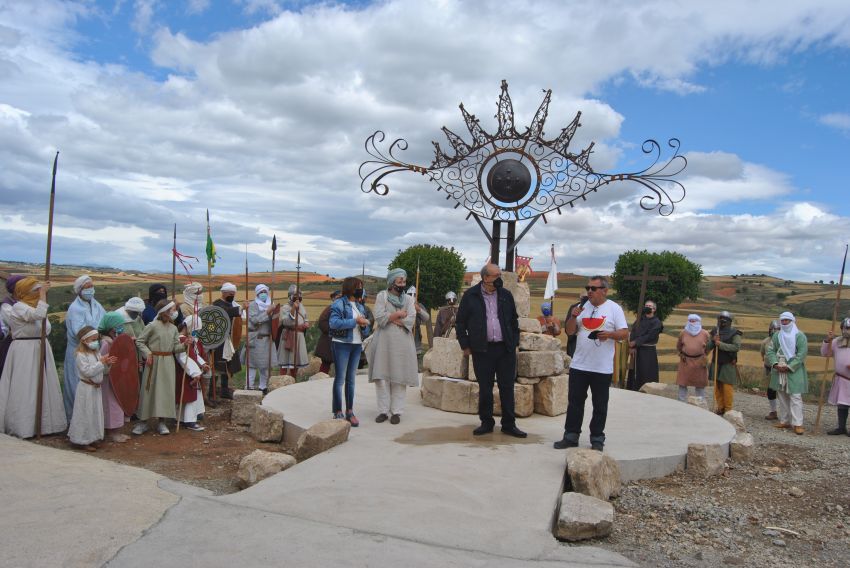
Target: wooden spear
x=832, y=330
x=174, y=266
x=247, y=330
x=43, y=350
x=210, y=261
x=297, y=348
x=272, y=326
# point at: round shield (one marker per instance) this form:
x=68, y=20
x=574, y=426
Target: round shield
x=215, y=327
x=124, y=374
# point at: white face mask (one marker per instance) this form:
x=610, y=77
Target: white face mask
x=173, y=316
x=93, y=345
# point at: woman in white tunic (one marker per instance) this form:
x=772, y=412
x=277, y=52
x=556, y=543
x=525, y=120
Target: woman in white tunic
x=263, y=357
x=391, y=351
x=87, y=426
x=19, y=381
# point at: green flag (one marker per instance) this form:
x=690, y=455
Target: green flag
x=210, y=244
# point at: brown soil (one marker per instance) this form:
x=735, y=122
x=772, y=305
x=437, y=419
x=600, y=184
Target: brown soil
x=208, y=459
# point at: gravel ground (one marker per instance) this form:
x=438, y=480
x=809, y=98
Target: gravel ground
x=789, y=506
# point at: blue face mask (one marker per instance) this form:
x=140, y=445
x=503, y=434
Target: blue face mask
x=87, y=294
x=93, y=345
x=119, y=330
x=263, y=297
x=547, y=313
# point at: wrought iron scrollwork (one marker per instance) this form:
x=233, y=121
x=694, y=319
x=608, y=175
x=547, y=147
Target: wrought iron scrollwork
x=559, y=177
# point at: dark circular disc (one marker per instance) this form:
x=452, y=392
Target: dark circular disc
x=509, y=180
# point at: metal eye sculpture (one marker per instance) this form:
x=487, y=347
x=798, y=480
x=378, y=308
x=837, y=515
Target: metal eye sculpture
x=508, y=176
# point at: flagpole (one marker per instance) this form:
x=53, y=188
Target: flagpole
x=831, y=330
x=43, y=349
x=554, y=292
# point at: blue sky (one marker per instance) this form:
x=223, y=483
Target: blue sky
x=258, y=109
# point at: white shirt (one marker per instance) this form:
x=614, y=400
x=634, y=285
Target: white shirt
x=594, y=355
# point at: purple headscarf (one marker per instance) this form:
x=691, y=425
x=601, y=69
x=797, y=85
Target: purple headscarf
x=10, y=288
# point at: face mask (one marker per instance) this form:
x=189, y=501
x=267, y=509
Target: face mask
x=173, y=316
x=119, y=330
x=93, y=345
x=132, y=315
x=263, y=297
x=87, y=294
x=229, y=298
x=399, y=289
x=647, y=310
x=158, y=295
x=547, y=313
x=358, y=293
x=498, y=282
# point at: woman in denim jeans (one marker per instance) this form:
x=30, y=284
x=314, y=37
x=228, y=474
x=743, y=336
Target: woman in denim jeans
x=345, y=324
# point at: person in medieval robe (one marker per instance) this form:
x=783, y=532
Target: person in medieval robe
x=19, y=381
x=727, y=340
x=87, y=423
x=643, y=341
x=6, y=317
x=446, y=316
x=292, y=350
x=193, y=301
x=839, y=395
x=190, y=367
x=158, y=344
x=226, y=362
x=548, y=322
x=692, y=347
x=263, y=355
x=131, y=311
x=786, y=355
x=324, y=350
x=771, y=394
x=423, y=317
x=391, y=354
x=572, y=338
x=83, y=311
x=111, y=326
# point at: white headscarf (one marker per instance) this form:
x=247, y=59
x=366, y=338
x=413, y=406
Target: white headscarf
x=788, y=335
x=693, y=328
x=80, y=282
x=228, y=287
x=261, y=304
x=192, y=293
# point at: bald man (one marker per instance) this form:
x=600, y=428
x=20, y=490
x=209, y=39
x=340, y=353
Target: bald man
x=487, y=329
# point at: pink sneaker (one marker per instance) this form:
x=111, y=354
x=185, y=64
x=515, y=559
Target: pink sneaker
x=349, y=415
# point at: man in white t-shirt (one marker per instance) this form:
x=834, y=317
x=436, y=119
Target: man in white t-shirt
x=599, y=322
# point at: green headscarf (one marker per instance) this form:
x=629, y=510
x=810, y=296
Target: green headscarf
x=110, y=321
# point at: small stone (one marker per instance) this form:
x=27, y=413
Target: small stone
x=261, y=464
x=321, y=437
x=661, y=389
x=319, y=376
x=795, y=492
x=311, y=369
x=538, y=342
x=705, y=460
x=582, y=517
x=530, y=325
x=778, y=542
x=839, y=508
x=779, y=462
x=267, y=425
x=593, y=473
x=280, y=381
x=770, y=532
x=741, y=447
x=243, y=405
x=736, y=419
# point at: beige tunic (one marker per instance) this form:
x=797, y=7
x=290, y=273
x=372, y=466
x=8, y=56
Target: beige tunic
x=19, y=382
x=288, y=358
x=693, y=362
x=158, y=380
x=391, y=352
x=87, y=419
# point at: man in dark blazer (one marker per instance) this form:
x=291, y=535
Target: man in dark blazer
x=487, y=328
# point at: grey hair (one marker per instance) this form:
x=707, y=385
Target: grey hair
x=602, y=279
x=484, y=270
x=654, y=305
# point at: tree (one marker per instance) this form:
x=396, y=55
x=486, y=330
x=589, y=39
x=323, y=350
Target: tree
x=441, y=270
x=683, y=278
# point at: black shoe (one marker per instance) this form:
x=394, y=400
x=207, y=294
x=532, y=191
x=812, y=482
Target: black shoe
x=837, y=432
x=564, y=443
x=381, y=418
x=514, y=431
x=265, y=391
x=483, y=429
x=596, y=446
x=395, y=419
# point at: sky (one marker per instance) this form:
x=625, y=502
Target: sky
x=258, y=110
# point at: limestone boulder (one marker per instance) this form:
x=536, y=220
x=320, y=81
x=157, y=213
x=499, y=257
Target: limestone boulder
x=661, y=389
x=706, y=460
x=448, y=360
x=593, y=473
x=538, y=342
x=582, y=517
x=523, y=401
x=426, y=361
x=550, y=395
x=267, y=425
x=520, y=292
x=528, y=381
x=471, y=376
x=459, y=396
x=533, y=364
x=567, y=360
x=244, y=403
x=311, y=369
x=530, y=325
x=742, y=446
x=736, y=419
x=431, y=391
x=280, y=381
x=319, y=376
x=261, y=464
x=321, y=437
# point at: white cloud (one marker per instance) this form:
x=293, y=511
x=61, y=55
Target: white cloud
x=839, y=120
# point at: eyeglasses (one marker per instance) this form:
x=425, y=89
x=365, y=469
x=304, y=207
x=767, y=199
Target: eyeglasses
x=594, y=288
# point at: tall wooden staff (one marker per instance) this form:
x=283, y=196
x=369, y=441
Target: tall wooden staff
x=174, y=266
x=832, y=330
x=39, y=401
x=272, y=326
x=297, y=348
x=210, y=263
x=247, y=330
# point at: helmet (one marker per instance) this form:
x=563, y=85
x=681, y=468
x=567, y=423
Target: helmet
x=411, y=291
x=845, y=323
x=451, y=297
x=724, y=315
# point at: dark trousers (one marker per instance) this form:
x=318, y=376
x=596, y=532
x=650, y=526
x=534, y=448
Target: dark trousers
x=771, y=394
x=599, y=384
x=497, y=364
